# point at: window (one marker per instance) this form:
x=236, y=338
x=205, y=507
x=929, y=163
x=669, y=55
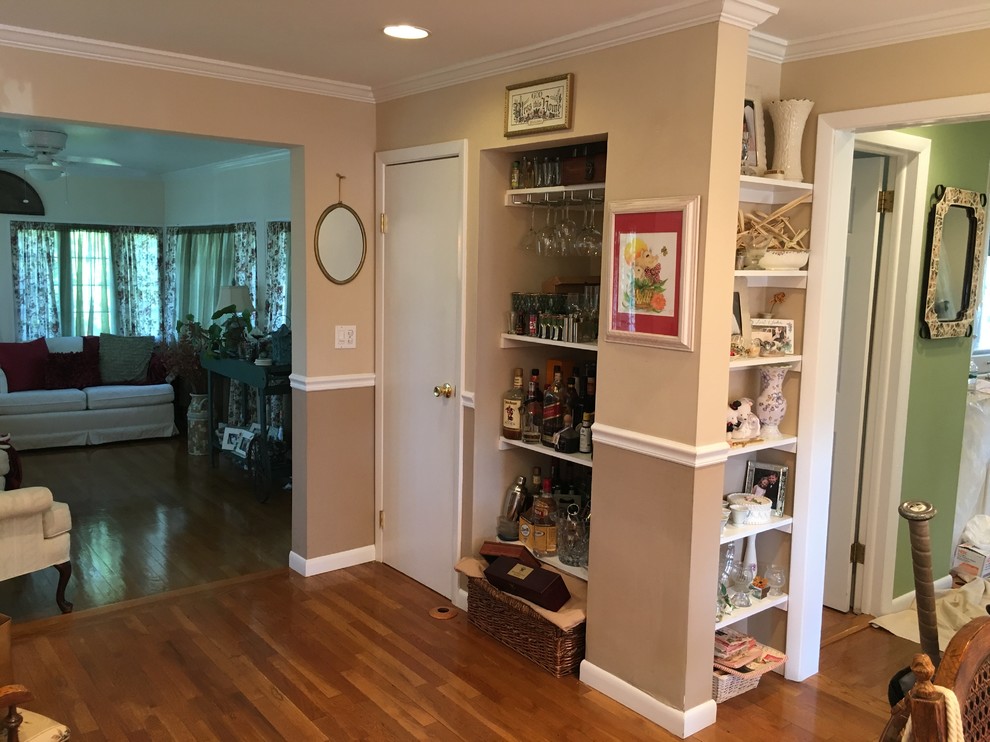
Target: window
x=84, y=280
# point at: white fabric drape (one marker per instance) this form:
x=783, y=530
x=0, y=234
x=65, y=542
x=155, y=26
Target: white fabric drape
x=34, y=258
x=87, y=295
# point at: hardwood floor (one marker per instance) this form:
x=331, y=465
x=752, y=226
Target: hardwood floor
x=241, y=648
x=148, y=518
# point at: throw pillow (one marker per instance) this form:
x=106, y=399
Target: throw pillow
x=72, y=370
x=24, y=364
x=124, y=360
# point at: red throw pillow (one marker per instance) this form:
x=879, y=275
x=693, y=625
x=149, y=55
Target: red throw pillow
x=72, y=370
x=24, y=364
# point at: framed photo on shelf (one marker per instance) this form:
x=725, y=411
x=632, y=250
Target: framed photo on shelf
x=539, y=105
x=753, y=160
x=230, y=438
x=651, y=271
x=776, y=336
x=769, y=480
x=243, y=443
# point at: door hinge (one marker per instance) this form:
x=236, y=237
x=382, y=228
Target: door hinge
x=885, y=202
x=383, y=225
x=381, y=518
x=857, y=553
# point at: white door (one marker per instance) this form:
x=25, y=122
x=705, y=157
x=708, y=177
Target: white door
x=420, y=330
x=852, y=386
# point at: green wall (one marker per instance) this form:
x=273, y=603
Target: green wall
x=937, y=405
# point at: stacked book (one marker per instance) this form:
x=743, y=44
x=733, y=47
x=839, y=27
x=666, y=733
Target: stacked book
x=734, y=649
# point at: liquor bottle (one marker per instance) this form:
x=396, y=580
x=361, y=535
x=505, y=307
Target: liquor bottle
x=532, y=421
x=528, y=174
x=571, y=409
x=553, y=419
x=588, y=404
x=512, y=402
x=584, y=439
x=515, y=177
x=545, y=523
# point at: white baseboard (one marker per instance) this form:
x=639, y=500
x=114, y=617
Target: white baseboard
x=682, y=723
x=331, y=562
x=903, y=602
x=460, y=599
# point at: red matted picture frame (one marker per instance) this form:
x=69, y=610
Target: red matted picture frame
x=651, y=271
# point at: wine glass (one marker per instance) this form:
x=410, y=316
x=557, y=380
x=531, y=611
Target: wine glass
x=775, y=579
x=547, y=244
x=567, y=232
x=529, y=241
x=742, y=579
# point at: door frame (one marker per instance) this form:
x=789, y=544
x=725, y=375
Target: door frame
x=443, y=150
x=837, y=138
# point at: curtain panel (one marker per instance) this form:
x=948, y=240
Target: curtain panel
x=35, y=274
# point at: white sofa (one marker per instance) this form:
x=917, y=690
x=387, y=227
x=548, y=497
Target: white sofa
x=47, y=418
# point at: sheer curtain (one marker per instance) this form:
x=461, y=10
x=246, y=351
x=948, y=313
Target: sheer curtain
x=87, y=297
x=137, y=264
x=34, y=255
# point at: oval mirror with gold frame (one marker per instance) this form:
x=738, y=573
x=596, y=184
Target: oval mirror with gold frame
x=955, y=262
x=341, y=244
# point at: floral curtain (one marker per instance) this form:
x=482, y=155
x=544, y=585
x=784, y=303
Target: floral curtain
x=137, y=268
x=277, y=303
x=34, y=255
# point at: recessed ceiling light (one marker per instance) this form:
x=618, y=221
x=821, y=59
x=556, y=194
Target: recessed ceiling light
x=406, y=32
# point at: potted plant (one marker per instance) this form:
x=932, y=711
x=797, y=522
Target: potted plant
x=231, y=336
x=181, y=357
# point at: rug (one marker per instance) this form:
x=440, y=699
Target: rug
x=954, y=608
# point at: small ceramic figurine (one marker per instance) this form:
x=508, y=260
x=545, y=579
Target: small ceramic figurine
x=749, y=423
x=731, y=423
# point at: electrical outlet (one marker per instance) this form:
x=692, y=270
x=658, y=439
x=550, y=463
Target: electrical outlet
x=345, y=336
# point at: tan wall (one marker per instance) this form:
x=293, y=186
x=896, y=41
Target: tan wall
x=941, y=67
x=329, y=136
x=670, y=108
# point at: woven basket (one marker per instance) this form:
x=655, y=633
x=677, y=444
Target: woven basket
x=521, y=628
x=725, y=686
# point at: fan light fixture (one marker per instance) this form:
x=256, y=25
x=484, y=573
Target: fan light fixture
x=42, y=171
x=406, y=32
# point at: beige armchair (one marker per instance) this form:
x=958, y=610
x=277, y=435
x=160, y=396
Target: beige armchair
x=34, y=534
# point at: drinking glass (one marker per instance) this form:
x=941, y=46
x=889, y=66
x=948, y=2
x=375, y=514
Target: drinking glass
x=567, y=232
x=775, y=579
x=547, y=244
x=742, y=579
x=529, y=241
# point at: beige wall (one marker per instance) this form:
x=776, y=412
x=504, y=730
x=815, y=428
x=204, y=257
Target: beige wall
x=328, y=136
x=669, y=107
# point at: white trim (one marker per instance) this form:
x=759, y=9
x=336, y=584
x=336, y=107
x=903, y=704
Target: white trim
x=331, y=562
x=262, y=158
x=696, y=457
x=329, y=383
x=106, y=51
x=461, y=599
x=682, y=723
x=467, y=400
x=453, y=149
x=743, y=13
x=766, y=47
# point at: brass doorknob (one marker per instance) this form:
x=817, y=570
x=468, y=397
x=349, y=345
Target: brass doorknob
x=443, y=391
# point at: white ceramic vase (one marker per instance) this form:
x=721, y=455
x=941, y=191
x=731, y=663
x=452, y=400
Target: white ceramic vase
x=197, y=419
x=789, y=118
x=771, y=405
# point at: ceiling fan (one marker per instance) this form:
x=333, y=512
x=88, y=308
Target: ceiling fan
x=43, y=147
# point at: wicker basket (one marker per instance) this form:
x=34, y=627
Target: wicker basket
x=521, y=628
x=725, y=686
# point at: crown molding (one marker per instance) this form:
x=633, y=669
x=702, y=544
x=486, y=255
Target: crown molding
x=896, y=31
x=746, y=14
x=105, y=51
x=262, y=158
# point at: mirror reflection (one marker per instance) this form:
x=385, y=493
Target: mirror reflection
x=340, y=243
x=955, y=259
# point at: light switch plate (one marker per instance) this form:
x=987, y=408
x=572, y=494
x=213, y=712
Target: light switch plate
x=345, y=336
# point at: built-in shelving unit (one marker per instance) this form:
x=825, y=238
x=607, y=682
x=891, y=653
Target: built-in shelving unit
x=584, y=459
x=765, y=194
x=575, y=194
x=519, y=341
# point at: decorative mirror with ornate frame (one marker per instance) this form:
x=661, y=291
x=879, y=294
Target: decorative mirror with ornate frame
x=341, y=243
x=956, y=243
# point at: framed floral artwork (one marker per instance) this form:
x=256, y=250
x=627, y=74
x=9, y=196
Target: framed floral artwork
x=651, y=271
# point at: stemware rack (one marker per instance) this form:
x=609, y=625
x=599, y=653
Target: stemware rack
x=573, y=195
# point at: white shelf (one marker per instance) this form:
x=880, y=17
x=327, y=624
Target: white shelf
x=759, y=605
x=756, y=190
x=784, y=279
x=576, y=194
x=784, y=443
x=584, y=459
x=734, y=533
x=794, y=361
x=519, y=341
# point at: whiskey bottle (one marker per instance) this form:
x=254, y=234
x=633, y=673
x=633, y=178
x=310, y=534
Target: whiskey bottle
x=512, y=402
x=588, y=403
x=532, y=421
x=553, y=416
x=571, y=405
x=584, y=440
x=545, y=523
